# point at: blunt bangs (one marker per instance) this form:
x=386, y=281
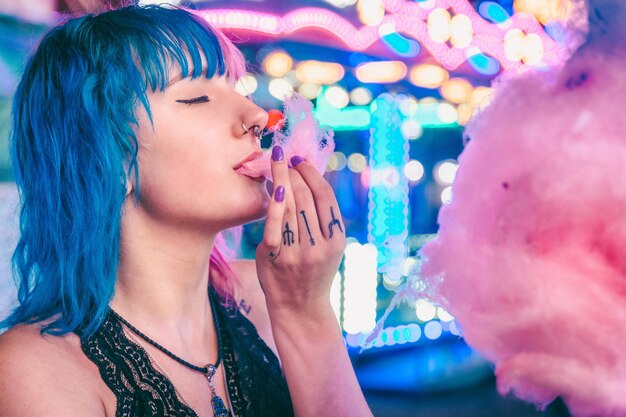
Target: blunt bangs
x=161, y=38
x=73, y=149
x=176, y=36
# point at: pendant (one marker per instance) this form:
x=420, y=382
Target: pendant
x=219, y=409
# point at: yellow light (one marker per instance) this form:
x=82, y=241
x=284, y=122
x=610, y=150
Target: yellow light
x=360, y=96
x=331, y=164
x=319, y=72
x=425, y=311
x=246, y=85
x=443, y=315
x=439, y=25
x=414, y=170
x=292, y=78
x=280, y=88
x=447, y=113
x=456, y=90
x=381, y=72
x=514, y=45
x=356, y=162
x=389, y=283
x=446, y=195
x=408, y=264
x=461, y=32
x=481, y=96
x=360, y=281
x=341, y=160
x=336, y=161
x=411, y=129
x=277, y=63
x=371, y=12
x=409, y=106
x=533, y=49
x=341, y=3
x=445, y=172
x=335, y=295
x=386, y=29
x=428, y=75
x=337, y=97
x=465, y=112
x=309, y=90
x=428, y=101
x=545, y=11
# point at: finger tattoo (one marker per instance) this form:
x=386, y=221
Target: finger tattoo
x=288, y=236
x=333, y=222
x=311, y=240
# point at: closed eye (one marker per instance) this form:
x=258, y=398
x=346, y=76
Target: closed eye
x=202, y=99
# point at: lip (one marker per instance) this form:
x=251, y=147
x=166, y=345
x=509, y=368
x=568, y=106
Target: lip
x=256, y=179
x=254, y=155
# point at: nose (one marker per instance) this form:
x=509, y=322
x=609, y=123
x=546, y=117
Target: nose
x=253, y=115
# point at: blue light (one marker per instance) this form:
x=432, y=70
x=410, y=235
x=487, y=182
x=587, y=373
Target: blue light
x=357, y=58
x=556, y=30
x=401, y=45
x=406, y=334
x=493, y=12
x=389, y=188
x=455, y=329
x=416, y=332
x=484, y=64
x=388, y=336
x=433, y=330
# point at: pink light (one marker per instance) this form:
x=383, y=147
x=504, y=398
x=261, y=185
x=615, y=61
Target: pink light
x=407, y=17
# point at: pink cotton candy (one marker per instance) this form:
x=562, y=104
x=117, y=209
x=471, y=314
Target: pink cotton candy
x=531, y=252
x=304, y=137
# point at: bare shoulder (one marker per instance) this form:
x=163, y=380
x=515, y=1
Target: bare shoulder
x=251, y=300
x=46, y=375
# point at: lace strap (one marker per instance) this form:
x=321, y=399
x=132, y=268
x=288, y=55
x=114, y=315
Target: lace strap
x=126, y=369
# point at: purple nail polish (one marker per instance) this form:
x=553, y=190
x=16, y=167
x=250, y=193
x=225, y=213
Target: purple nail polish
x=277, y=153
x=279, y=194
x=296, y=160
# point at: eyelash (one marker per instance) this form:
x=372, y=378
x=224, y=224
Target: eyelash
x=202, y=99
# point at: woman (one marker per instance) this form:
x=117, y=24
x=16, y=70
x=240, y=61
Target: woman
x=127, y=133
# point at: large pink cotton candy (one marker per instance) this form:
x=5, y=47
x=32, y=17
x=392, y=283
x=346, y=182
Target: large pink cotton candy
x=304, y=137
x=531, y=252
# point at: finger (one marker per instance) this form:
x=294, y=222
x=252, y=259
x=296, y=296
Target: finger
x=328, y=213
x=308, y=223
x=271, y=243
x=288, y=232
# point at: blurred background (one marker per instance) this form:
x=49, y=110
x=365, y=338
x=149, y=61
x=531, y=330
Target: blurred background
x=397, y=80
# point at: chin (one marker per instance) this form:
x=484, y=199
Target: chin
x=259, y=212
x=260, y=215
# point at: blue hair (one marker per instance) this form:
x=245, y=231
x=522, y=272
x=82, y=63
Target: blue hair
x=73, y=148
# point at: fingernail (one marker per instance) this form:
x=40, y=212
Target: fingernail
x=277, y=153
x=279, y=194
x=296, y=160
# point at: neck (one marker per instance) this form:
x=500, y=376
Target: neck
x=162, y=280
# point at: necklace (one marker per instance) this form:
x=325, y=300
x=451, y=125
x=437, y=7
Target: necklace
x=219, y=409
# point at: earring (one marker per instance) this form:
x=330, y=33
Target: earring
x=256, y=130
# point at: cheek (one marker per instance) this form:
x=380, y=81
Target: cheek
x=206, y=191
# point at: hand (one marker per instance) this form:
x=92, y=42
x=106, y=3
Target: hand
x=303, y=241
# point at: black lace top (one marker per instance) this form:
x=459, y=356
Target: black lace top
x=256, y=386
